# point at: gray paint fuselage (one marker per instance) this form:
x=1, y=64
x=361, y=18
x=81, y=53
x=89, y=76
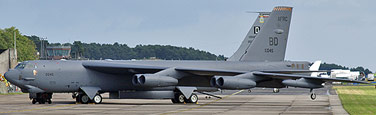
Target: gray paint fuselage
x=69, y=76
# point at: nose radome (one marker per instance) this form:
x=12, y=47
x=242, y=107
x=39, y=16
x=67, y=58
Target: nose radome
x=10, y=75
x=5, y=75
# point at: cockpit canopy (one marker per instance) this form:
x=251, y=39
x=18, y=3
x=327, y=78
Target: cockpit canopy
x=26, y=65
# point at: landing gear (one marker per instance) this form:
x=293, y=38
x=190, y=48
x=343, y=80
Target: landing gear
x=180, y=98
x=313, y=95
x=34, y=101
x=275, y=90
x=41, y=98
x=84, y=99
x=249, y=90
x=97, y=99
x=192, y=99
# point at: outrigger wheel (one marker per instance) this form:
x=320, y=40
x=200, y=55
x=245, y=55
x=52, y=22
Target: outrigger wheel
x=313, y=94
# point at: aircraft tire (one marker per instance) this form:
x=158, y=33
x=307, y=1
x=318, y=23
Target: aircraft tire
x=192, y=99
x=34, y=101
x=97, y=99
x=313, y=96
x=179, y=98
x=275, y=90
x=84, y=99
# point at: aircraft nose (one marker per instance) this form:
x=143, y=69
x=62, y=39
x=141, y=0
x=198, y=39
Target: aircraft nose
x=11, y=75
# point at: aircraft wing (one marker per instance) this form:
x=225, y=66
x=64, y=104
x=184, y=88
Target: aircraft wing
x=119, y=68
x=210, y=72
x=293, y=71
x=295, y=76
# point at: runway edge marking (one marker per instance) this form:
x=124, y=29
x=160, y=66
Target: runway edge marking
x=193, y=108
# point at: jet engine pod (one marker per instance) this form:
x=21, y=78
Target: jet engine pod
x=151, y=80
x=213, y=81
x=303, y=83
x=234, y=83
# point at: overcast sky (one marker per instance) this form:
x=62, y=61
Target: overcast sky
x=334, y=31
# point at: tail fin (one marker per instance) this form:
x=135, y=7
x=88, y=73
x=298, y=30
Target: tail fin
x=270, y=42
x=314, y=67
x=251, y=35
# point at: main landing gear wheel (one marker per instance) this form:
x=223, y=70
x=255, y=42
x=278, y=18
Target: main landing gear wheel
x=275, y=90
x=84, y=99
x=192, y=99
x=34, y=101
x=178, y=98
x=97, y=99
x=313, y=96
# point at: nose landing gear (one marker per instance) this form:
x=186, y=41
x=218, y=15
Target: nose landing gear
x=41, y=98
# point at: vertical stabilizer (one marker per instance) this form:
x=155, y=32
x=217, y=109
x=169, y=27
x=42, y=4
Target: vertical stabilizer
x=251, y=35
x=270, y=42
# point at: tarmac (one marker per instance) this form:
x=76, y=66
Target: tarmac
x=259, y=101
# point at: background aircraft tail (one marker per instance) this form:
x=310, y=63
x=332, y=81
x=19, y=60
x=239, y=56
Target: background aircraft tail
x=269, y=43
x=315, y=67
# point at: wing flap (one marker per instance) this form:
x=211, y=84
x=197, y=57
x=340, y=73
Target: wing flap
x=210, y=72
x=293, y=71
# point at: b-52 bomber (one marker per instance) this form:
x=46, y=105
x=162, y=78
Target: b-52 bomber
x=259, y=62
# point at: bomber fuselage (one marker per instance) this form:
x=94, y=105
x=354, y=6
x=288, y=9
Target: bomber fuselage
x=69, y=76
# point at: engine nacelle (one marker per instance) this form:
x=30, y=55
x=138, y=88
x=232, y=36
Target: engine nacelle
x=303, y=83
x=151, y=80
x=232, y=83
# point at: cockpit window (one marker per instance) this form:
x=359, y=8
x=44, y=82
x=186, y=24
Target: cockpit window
x=20, y=66
x=26, y=65
x=30, y=66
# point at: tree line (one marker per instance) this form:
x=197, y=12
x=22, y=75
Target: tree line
x=25, y=47
x=116, y=51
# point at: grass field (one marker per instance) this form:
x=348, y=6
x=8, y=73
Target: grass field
x=358, y=100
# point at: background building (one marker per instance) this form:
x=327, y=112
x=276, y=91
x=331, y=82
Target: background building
x=58, y=52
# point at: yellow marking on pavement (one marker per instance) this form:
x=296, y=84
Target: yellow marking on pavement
x=193, y=108
x=34, y=109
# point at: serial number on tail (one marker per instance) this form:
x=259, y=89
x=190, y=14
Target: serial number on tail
x=269, y=50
